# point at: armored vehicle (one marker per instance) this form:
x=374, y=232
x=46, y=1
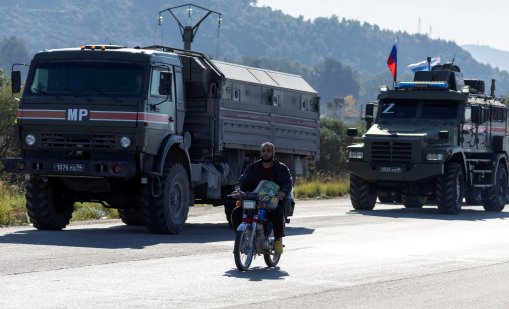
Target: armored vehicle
x=439, y=138
x=150, y=131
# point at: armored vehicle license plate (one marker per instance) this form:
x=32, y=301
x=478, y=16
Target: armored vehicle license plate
x=69, y=167
x=389, y=169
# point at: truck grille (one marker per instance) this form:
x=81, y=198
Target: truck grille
x=61, y=141
x=391, y=152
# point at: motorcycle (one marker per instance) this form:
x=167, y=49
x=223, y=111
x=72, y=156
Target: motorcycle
x=255, y=235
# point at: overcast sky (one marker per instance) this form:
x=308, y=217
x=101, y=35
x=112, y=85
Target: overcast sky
x=463, y=21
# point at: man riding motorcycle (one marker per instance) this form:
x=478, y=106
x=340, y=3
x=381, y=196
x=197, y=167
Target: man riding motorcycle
x=267, y=168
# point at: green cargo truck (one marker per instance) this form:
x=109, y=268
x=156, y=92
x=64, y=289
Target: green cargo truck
x=150, y=131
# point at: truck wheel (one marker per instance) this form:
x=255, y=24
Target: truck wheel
x=450, y=189
x=131, y=216
x=167, y=213
x=362, y=193
x=48, y=203
x=413, y=201
x=493, y=199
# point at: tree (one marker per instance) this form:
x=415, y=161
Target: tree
x=8, y=108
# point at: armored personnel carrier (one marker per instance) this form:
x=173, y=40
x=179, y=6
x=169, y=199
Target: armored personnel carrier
x=438, y=137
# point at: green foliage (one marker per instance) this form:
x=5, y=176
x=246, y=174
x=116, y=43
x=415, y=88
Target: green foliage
x=322, y=188
x=12, y=206
x=8, y=109
x=332, y=147
x=92, y=211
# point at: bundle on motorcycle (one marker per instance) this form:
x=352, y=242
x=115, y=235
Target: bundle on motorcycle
x=255, y=235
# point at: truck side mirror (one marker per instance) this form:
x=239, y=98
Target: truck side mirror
x=352, y=132
x=16, y=81
x=476, y=114
x=369, y=113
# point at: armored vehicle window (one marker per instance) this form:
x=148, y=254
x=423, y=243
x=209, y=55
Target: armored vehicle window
x=398, y=110
x=439, y=110
x=91, y=78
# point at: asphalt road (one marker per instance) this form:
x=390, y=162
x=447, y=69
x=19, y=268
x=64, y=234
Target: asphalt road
x=334, y=258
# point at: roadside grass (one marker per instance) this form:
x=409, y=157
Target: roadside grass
x=13, y=211
x=321, y=188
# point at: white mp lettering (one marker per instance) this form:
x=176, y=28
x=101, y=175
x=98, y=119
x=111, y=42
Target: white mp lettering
x=75, y=114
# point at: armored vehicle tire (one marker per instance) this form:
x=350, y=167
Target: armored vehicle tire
x=494, y=198
x=450, y=188
x=166, y=212
x=473, y=196
x=48, y=203
x=131, y=216
x=413, y=201
x=362, y=193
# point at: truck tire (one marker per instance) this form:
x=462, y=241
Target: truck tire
x=494, y=198
x=167, y=212
x=362, y=193
x=413, y=201
x=48, y=203
x=131, y=216
x=450, y=188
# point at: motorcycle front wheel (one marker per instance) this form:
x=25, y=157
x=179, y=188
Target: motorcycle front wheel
x=271, y=258
x=243, y=250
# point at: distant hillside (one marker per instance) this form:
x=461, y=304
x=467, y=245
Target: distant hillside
x=492, y=56
x=246, y=31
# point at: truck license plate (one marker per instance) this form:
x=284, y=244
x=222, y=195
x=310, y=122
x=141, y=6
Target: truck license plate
x=68, y=167
x=389, y=169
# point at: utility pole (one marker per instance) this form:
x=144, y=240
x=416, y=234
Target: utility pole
x=188, y=32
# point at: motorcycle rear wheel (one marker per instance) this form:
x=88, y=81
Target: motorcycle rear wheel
x=243, y=250
x=271, y=258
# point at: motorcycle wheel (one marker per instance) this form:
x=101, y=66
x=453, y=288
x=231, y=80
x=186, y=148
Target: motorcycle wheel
x=243, y=250
x=271, y=258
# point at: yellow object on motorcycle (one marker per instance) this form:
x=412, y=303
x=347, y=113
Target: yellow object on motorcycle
x=267, y=193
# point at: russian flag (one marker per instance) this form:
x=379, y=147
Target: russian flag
x=423, y=65
x=392, y=61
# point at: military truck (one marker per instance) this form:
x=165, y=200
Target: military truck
x=439, y=138
x=150, y=131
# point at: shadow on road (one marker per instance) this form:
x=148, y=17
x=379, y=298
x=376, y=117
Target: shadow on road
x=467, y=213
x=258, y=273
x=123, y=236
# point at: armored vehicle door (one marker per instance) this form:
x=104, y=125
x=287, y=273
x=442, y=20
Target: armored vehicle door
x=475, y=130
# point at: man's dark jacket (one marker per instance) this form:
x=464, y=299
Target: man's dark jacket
x=282, y=177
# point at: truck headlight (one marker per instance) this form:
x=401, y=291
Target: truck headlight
x=125, y=142
x=30, y=140
x=355, y=154
x=434, y=156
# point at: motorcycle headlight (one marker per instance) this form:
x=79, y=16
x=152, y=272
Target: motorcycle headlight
x=248, y=204
x=30, y=140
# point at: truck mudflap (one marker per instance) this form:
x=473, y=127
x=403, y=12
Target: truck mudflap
x=77, y=168
x=414, y=172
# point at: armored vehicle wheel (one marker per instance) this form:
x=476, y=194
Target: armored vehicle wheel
x=362, y=193
x=131, y=216
x=473, y=196
x=450, y=189
x=413, y=201
x=493, y=199
x=49, y=204
x=166, y=213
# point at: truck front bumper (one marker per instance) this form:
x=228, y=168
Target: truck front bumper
x=72, y=168
x=395, y=173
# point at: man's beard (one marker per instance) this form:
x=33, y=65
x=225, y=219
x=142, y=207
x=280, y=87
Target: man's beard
x=270, y=159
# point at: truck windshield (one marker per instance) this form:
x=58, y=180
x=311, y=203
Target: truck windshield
x=423, y=109
x=87, y=79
